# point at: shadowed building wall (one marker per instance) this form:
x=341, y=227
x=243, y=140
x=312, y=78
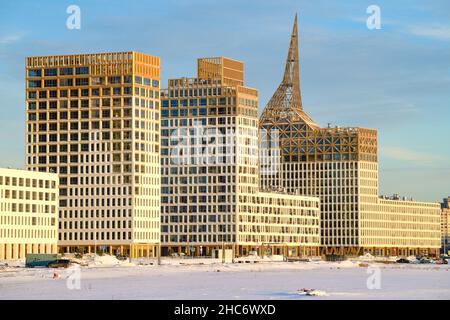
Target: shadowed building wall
x=445, y=225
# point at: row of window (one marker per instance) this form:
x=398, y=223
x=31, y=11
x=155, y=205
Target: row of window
x=75, y=104
x=43, y=116
x=83, y=136
x=109, y=213
x=71, y=224
x=32, y=234
x=26, y=182
x=80, y=81
x=175, y=103
x=50, y=72
x=198, y=112
x=201, y=228
x=196, y=92
x=28, y=195
x=93, y=92
x=199, y=238
x=105, y=103
x=146, y=81
x=171, y=123
x=94, y=236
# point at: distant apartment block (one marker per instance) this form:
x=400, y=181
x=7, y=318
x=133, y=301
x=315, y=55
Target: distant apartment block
x=210, y=172
x=94, y=120
x=28, y=213
x=340, y=166
x=445, y=225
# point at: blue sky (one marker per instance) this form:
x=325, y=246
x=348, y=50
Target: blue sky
x=396, y=79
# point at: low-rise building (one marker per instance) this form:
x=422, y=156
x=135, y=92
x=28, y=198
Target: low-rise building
x=398, y=226
x=28, y=213
x=445, y=225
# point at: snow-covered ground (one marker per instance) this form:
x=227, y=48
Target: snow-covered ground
x=107, y=278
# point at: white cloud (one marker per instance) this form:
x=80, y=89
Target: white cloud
x=9, y=39
x=440, y=32
x=403, y=154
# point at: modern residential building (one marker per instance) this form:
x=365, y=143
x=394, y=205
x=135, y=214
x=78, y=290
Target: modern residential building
x=28, y=213
x=210, y=195
x=94, y=120
x=339, y=165
x=445, y=225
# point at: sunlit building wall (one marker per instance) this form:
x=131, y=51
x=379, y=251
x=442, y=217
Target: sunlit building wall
x=28, y=213
x=210, y=171
x=94, y=120
x=340, y=166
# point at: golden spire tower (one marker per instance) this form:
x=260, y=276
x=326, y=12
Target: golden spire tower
x=340, y=166
x=286, y=102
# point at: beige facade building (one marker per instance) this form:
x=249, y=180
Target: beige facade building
x=28, y=213
x=398, y=226
x=445, y=225
x=339, y=165
x=210, y=171
x=94, y=120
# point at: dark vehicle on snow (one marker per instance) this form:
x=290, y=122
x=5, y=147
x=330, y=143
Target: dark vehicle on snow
x=60, y=263
x=402, y=260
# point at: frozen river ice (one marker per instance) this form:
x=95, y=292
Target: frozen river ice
x=211, y=280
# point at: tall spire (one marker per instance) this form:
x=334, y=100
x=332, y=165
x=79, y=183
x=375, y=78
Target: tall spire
x=287, y=98
x=291, y=77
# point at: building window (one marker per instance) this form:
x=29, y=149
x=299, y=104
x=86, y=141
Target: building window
x=66, y=71
x=34, y=83
x=82, y=70
x=82, y=81
x=50, y=72
x=66, y=82
x=115, y=80
x=50, y=83
x=34, y=73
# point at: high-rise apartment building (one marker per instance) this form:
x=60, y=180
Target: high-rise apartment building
x=210, y=195
x=445, y=225
x=28, y=213
x=339, y=165
x=94, y=120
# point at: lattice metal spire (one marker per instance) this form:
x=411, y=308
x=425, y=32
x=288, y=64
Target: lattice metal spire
x=287, y=98
x=291, y=80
